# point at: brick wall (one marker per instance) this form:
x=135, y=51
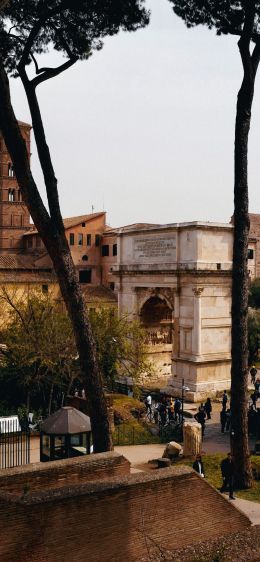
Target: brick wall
x=114, y=520
x=57, y=474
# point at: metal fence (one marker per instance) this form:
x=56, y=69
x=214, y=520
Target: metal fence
x=14, y=444
x=125, y=435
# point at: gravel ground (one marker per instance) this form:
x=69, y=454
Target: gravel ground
x=237, y=547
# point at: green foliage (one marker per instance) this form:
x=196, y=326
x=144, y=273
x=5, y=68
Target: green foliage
x=73, y=27
x=253, y=335
x=39, y=349
x=120, y=345
x=254, y=294
x=226, y=17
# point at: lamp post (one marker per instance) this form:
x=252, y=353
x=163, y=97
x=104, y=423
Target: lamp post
x=183, y=389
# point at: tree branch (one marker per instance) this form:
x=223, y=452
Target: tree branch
x=48, y=73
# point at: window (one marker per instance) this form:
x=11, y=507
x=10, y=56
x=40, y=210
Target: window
x=85, y=276
x=250, y=254
x=88, y=239
x=112, y=286
x=114, y=249
x=10, y=170
x=71, y=239
x=83, y=224
x=85, y=258
x=19, y=195
x=105, y=250
x=45, y=288
x=11, y=195
x=80, y=239
x=97, y=240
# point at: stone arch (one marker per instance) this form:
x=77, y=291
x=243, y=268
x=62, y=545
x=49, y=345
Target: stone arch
x=157, y=318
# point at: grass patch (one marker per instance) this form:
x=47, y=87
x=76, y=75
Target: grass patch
x=130, y=430
x=213, y=475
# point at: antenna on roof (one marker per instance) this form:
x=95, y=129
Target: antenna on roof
x=92, y=208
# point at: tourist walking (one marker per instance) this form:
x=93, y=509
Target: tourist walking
x=208, y=408
x=224, y=400
x=148, y=403
x=253, y=373
x=227, y=471
x=200, y=417
x=198, y=466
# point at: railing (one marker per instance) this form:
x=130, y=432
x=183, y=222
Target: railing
x=125, y=435
x=14, y=444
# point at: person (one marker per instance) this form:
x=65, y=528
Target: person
x=198, y=466
x=254, y=397
x=177, y=409
x=257, y=387
x=171, y=409
x=227, y=471
x=148, y=403
x=228, y=419
x=253, y=373
x=162, y=412
x=223, y=420
x=200, y=416
x=208, y=408
x=224, y=400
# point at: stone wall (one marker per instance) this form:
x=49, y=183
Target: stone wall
x=114, y=520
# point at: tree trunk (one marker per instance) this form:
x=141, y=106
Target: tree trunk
x=50, y=399
x=239, y=383
x=56, y=244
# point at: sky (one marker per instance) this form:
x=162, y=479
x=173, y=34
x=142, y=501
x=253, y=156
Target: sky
x=145, y=128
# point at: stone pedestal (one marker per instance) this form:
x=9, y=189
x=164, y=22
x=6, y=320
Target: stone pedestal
x=191, y=438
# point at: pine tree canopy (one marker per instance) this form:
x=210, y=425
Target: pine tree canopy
x=73, y=27
x=227, y=17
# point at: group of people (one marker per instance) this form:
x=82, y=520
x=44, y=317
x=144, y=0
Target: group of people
x=165, y=410
x=227, y=471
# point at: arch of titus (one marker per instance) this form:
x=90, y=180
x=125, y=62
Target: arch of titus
x=177, y=279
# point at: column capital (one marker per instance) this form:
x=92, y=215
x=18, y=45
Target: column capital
x=197, y=291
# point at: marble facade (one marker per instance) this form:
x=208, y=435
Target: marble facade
x=177, y=279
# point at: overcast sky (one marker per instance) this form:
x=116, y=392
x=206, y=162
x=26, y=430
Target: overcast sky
x=145, y=128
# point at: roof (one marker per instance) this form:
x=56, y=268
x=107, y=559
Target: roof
x=71, y=221
x=96, y=294
x=66, y=421
x=23, y=124
x=19, y=261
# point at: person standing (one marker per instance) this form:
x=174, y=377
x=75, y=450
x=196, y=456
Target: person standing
x=177, y=409
x=208, y=408
x=200, y=417
x=223, y=419
x=228, y=419
x=227, y=471
x=224, y=400
x=148, y=403
x=198, y=466
x=253, y=373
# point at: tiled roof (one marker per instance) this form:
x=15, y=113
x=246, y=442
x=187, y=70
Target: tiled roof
x=23, y=124
x=98, y=294
x=18, y=261
x=71, y=221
